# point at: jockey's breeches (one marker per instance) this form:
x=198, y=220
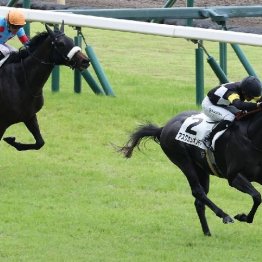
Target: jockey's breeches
x=216, y=113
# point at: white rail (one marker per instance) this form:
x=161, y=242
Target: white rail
x=140, y=27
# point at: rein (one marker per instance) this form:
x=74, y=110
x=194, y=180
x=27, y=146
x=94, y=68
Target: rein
x=242, y=114
x=43, y=62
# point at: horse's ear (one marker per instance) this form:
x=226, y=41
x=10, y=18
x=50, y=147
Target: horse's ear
x=49, y=30
x=62, y=26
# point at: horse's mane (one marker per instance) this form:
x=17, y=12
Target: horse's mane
x=34, y=42
x=24, y=52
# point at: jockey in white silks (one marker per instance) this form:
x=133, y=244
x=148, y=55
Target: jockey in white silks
x=223, y=102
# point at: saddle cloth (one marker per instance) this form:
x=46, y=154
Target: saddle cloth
x=195, y=128
x=3, y=60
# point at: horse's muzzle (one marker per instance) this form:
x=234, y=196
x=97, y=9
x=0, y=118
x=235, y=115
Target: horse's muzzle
x=85, y=64
x=80, y=61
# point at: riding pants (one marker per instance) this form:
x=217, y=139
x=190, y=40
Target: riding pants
x=6, y=49
x=216, y=113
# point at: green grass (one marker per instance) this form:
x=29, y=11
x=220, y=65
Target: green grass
x=78, y=200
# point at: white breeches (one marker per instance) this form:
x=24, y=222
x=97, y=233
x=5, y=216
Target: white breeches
x=6, y=49
x=216, y=113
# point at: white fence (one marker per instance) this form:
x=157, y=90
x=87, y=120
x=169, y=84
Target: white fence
x=140, y=27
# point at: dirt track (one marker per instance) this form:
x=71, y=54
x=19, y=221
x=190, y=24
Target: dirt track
x=252, y=25
x=151, y=3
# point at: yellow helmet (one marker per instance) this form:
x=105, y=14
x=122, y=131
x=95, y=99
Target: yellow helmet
x=16, y=17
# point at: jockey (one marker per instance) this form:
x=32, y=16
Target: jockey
x=9, y=27
x=223, y=102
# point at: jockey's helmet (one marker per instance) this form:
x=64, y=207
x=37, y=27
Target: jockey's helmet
x=251, y=86
x=16, y=17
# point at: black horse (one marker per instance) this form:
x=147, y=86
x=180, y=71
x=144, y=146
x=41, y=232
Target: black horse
x=24, y=75
x=238, y=155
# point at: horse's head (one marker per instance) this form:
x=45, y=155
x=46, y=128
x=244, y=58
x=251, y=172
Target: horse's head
x=64, y=51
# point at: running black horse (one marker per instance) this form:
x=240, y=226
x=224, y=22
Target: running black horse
x=238, y=155
x=24, y=75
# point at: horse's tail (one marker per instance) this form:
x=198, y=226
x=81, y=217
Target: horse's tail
x=144, y=131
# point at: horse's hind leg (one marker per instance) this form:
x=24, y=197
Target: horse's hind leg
x=243, y=185
x=33, y=127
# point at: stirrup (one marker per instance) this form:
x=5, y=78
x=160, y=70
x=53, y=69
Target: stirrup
x=207, y=143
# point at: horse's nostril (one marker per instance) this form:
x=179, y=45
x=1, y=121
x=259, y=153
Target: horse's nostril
x=86, y=63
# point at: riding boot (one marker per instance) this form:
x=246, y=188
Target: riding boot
x=224, y=124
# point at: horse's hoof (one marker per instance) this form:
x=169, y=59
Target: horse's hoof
x=241, y=217
x=208, y=234
x=228, y=220
x=250, y=221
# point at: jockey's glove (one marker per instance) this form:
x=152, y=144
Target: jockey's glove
x=26, y=45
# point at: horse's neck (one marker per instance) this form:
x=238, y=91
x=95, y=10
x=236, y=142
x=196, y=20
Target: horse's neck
x=44, y=50
x=38, y=66
x=254, y=129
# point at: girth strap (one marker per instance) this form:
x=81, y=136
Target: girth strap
x=212, y=163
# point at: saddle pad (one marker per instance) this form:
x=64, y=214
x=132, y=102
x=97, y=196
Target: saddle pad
x=3, y=60
x=194, y=129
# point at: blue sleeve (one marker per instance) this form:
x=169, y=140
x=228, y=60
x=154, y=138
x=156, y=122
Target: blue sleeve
x=2, y=21
x=22, y=36
x=20, y=32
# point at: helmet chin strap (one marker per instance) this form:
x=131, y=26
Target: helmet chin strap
x=73, y=51
x=8, y=23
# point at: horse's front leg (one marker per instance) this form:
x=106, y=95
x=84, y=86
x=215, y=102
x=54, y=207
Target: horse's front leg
x=243, y=185
x=200, y=195
x=33, y=127
x=200, y=206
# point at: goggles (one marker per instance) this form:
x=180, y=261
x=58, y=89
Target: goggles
x=15, y=26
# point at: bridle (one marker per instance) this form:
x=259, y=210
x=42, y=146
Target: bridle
x=67, y=58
